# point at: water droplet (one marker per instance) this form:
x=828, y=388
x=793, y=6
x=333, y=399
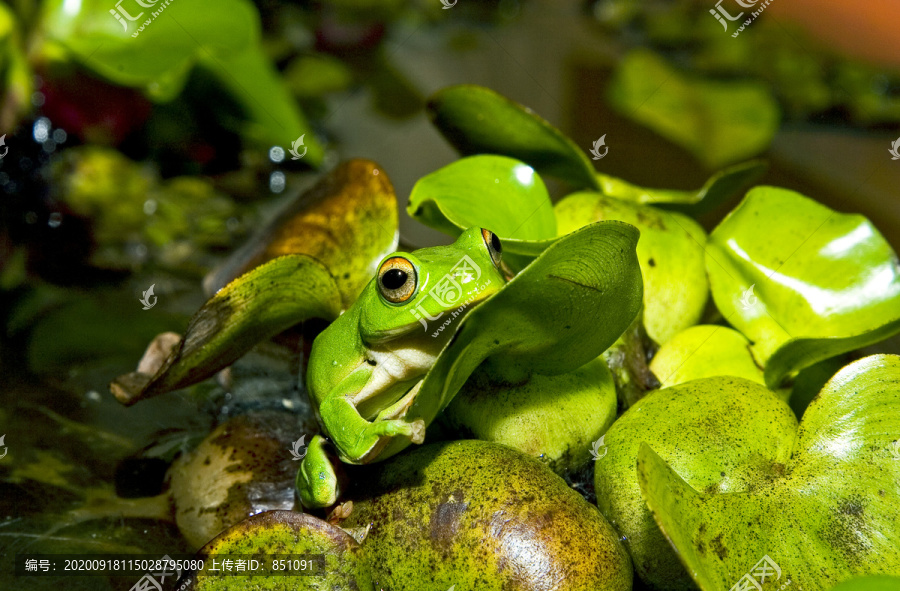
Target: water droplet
x=60, y=136
x=276, y=182
x=38, y=99
x=150, y=206
x=55, y=219
x=276, y=154
x=49, y=146
x=30, y=218
x=41, y=130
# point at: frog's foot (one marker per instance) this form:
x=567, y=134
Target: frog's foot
x=394, y=428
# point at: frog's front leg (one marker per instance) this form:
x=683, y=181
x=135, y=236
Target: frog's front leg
x=356, y=439
x=317, y=481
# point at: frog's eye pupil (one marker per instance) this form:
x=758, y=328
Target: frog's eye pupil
x=495, y=242
x=394, y=279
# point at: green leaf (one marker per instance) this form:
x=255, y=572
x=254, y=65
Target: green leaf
x=222, y=35
x=719, y=122
x=250, y=309
x=494, y=192
x=670, y=252
x=724, y=184
x=820, y=283
x=477, y=120
x=720, y=433
x=567, y=307
x=826, y=515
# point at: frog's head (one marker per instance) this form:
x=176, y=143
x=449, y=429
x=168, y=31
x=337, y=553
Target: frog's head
x=426, y=293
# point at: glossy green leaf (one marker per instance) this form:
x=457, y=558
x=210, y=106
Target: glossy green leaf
x=721, y=433
x=493, y=192
x=670, y=252
x=724, y=184
x=563, y=310
x=801, y=281
x=478, y=120
x=705, y=351
x=245, y=312
x=719, y=122
x=826, y=515
x=347, y=221
x=157, y=53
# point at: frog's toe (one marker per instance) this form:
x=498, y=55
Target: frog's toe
x=418, y=431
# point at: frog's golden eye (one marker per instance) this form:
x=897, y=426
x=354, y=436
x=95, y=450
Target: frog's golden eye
x=397, y=280
x=492, y=241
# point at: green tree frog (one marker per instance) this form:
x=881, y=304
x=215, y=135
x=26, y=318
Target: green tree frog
x=366, y=368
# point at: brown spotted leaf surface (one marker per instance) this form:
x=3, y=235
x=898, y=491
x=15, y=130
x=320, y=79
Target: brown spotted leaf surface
x=482, y=517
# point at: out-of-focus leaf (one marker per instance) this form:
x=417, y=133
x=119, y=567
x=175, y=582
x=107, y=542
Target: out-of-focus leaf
x=670, y=252
x=724, y=184
x=315, y=75
x=801, y=281
x=477, y=120
x=561, y=311
x=157, y=50
x=250, y=309
x=828, y=514
x=273, y=117
x=65, y=328
x=719, y=122
x=127, y=203
x=16, y=78
x=347, y=221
